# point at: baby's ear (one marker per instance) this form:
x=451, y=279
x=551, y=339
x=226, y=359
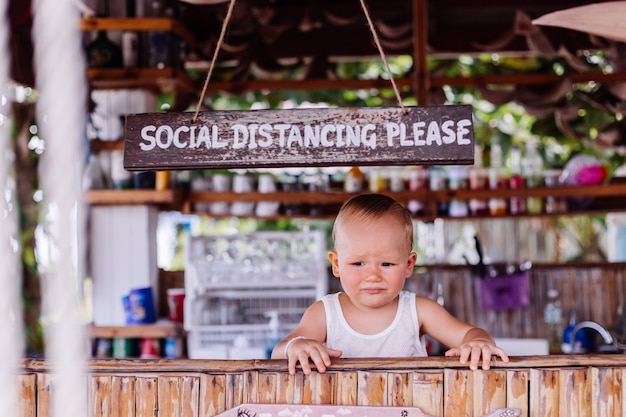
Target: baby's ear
x=334, y=262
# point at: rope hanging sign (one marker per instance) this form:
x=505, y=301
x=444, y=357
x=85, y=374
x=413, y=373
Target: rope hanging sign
x=421, y=135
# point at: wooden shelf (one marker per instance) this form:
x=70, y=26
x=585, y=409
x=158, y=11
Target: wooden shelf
x=165, y=79
x=168, y=198
x=98, y=145
x=159, y=330
x=605, y=198
x=157, y=24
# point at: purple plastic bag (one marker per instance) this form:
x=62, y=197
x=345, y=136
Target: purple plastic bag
x=505, y=291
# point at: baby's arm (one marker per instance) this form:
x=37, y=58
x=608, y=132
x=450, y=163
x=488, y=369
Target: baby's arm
x=468, y=342
x=306, y=343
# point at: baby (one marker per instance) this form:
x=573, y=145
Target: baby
x=374, y=316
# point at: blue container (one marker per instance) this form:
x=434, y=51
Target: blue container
x=141, y=308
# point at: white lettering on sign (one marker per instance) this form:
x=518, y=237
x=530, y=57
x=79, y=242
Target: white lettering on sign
x=252, y=136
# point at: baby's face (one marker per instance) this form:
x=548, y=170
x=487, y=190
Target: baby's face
x=372, y=259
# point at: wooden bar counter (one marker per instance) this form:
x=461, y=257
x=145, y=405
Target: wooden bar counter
x=557, y=385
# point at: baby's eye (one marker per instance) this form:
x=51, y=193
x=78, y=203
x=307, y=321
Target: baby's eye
x=357, y=263
x=387, y=264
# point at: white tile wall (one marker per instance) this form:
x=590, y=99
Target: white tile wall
x=122, y=250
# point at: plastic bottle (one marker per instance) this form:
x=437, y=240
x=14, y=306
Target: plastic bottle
x=274, y=336
x=582, y=341
x=553, y=321
x=478, y=180
x=497, y=179
x=457, y=180
x=354, y=180
x=532, y=168
x=517, y=205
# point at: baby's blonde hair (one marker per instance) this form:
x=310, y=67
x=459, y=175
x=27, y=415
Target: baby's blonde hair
x=373, y=207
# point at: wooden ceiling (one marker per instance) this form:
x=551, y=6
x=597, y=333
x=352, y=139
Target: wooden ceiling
x=267, y=37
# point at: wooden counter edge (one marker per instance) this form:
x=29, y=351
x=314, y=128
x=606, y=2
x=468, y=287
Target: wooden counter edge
x=210, y=365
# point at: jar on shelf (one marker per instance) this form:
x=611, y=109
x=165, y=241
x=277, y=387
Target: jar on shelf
x=553, y=204
x=354, y=180
x=457, y=180
x=517, y=205
x=438, y=181
x=478, y=179
x=497, y=180
x=532, y=168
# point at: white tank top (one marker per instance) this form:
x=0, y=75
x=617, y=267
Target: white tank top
x=400, y=339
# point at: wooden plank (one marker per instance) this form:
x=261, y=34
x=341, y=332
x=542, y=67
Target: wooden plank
x=457, y=389
x=123, y=391
x=251, y=387
x=99, y=401
x=212, y=394
x=27, y=395
x=517, y=390
x=428, y=392
x=489, y=389
x=399, y=391
x=439, y=135
x=372, y=388
x=190, y=398
x=308, y=388
x=623, y=372
x=544, y=392
x=324, y=392
x=607, y=392
x=575, y=392
x=169, y=397
x=146, y=402
x=285, y=388
x=346, y=388
x=234, y=390
x=268, y=388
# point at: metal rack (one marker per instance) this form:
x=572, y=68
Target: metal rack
x=233, y=281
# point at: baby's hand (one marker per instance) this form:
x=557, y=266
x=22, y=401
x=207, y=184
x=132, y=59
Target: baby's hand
x=302, y=349
x=474, y=350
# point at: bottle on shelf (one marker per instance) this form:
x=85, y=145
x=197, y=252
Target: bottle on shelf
x=517, y=205
x=553, y=321
x=418, y=180
x=354, y=180
x=478, y=178
x=583, y=343
x=497, y=179
x=438, y=181
x=130, y=39
x=532, y=168
x=457, y=180
x=102, y=52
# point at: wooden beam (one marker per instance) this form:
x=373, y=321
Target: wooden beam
x=421, y=78
x=237, y=87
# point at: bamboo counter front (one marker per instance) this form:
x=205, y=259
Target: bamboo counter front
x=558, y=385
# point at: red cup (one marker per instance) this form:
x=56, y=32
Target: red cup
x=150, y=349
x=175, y=304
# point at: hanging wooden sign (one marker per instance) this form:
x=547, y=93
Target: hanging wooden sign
x=423, y=135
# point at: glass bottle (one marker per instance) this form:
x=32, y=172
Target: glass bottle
x=354, y=180
x=438, y=181
x=517, y=205
x=102, y=52
x=497, y=179
x=478, y=177
x=553, y=321
x=532, y=168
x=457, y=180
